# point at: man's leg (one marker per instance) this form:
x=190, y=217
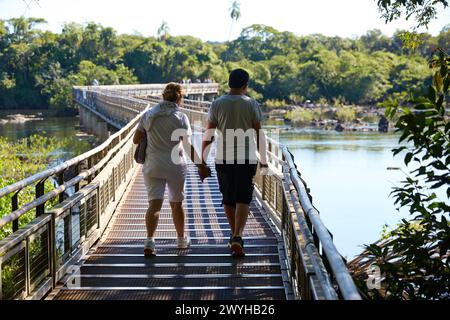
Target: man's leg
x=242, y=211
x=244, y=194
x=230, y=212
x=226, y=179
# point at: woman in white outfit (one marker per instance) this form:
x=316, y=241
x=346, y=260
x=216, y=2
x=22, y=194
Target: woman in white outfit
x=168, y=133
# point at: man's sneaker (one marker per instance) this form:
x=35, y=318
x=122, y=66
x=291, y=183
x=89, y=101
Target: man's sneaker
x=237, y=246
x=230, y=240
x=149, y=248
x=183, y=243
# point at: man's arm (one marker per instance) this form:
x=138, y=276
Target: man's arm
x=190, y=150
x=261, y=143
x=208, y=138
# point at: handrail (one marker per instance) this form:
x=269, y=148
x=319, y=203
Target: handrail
x=156, y=89
x=346, y=285
x=52, y=194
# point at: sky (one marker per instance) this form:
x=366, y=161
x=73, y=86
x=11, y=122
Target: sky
x=210, y=19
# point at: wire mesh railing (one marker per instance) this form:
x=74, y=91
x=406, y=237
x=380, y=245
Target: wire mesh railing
x=35, y=257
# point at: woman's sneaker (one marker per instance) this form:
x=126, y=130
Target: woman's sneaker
x=149, y=248
x=237, y=246
x=183, y=243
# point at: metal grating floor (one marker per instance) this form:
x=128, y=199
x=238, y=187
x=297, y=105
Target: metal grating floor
x=117, y=269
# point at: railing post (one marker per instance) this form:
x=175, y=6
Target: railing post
x=14, y=207
x=60, y=183
x=90, y=165
x=263, y=189
x=53, y=251
x=27, y=266
x=77, y=172
x=40, y=190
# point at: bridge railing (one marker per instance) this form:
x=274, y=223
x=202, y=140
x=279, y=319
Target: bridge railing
x=316, y=269
x=140, y=90
x=36, y=256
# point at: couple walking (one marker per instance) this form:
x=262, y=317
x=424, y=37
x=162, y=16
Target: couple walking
x=235, y=120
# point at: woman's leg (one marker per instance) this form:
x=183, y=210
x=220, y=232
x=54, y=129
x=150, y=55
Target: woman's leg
x=178, y=217
x=152, y=216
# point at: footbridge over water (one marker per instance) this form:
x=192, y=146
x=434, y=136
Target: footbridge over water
x=89, y=245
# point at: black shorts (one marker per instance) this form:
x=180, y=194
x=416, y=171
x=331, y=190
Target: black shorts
x=236, y=183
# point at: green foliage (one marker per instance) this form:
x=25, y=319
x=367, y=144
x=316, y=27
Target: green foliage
x=420, y=10
x=414, y=258
x=415, y=261
x=300, y=116
x=9, y=272
x=345, y=114
x=38, y=68
x=274, y=104
x=21, y=159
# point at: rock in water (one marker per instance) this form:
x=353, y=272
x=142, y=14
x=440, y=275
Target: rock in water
x=339, y=128
x=383, y=124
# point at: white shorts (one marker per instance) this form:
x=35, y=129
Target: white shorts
x=157, y=186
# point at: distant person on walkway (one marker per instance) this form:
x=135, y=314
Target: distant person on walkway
x=165, y=162
x=236, y=120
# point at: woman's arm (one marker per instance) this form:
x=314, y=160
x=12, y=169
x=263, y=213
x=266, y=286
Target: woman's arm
x=203, y=169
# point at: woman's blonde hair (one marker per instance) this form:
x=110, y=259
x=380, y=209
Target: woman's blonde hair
x=173, y=92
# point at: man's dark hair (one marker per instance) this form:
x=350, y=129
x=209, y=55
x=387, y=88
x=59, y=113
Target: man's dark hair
x=238, y=78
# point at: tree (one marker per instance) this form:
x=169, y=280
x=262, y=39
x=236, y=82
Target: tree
x=163, y=31
x=421, y=11
x=375, y=40
x=38, y=67
x=235, y=14
x=414, y=258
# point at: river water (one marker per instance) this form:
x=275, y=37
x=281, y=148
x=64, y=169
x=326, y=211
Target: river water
x=66, y=128
x=346, y=172
x=350, y=182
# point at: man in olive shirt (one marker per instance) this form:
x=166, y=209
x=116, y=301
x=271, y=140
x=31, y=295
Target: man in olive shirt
x=236, y=120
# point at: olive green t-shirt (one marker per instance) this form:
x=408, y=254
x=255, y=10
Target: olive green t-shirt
x=234, y=117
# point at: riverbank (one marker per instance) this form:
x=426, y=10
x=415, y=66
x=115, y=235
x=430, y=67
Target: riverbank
x=327, y=125
x=38, y=122
x=339, y=118
x=7, y=114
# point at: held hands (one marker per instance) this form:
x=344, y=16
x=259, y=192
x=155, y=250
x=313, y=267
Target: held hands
x=203, y=171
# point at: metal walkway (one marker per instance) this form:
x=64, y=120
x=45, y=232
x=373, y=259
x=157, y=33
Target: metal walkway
x=117, y=269
x=89, y=244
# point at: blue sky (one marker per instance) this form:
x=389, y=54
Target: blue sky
x=209, y=19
